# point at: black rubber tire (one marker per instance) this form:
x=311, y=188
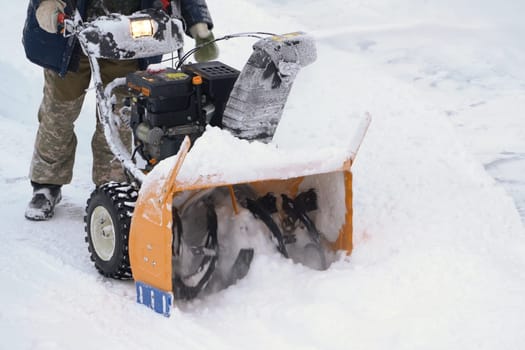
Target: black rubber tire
x=114, y=201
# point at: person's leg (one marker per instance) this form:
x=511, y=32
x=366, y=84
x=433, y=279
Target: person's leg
x=105, y=166
x=55, y=144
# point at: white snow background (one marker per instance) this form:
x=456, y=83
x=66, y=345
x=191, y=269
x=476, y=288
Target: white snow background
x=439, y=257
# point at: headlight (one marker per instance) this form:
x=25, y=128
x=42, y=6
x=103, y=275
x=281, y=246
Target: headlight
x=141, y=27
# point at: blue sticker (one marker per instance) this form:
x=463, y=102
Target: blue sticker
x=154, y=298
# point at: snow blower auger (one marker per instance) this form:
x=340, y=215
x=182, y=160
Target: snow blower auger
x=173, y=227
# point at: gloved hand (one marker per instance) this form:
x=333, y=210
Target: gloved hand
x=202, y=35
x=47, y=14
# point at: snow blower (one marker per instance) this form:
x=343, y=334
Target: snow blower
x=192, y=125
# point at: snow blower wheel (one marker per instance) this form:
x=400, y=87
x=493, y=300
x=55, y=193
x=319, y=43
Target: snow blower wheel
x=108, y=218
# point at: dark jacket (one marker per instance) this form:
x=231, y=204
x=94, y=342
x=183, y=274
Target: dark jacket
x=61, y=54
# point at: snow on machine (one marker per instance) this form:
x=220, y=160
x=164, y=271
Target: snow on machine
x=173, y=226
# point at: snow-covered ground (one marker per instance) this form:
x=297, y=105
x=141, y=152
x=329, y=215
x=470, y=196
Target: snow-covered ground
x=439, y=255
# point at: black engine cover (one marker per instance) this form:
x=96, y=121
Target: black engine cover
x=166, y=106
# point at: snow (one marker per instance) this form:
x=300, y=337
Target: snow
x=439, y=245
x=122, y=43
x=215, y=158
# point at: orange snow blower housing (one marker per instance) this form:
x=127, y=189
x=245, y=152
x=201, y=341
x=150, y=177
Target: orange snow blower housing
x=170, y=189
x=152, y=225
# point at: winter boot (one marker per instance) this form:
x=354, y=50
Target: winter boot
x=42, y=205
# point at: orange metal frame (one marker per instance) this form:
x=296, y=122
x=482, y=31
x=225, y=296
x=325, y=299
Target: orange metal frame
x=150, y=242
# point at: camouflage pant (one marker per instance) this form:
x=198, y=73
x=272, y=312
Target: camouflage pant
x=55, y=145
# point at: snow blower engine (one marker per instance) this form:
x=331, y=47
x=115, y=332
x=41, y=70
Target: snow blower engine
x=169, y=105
